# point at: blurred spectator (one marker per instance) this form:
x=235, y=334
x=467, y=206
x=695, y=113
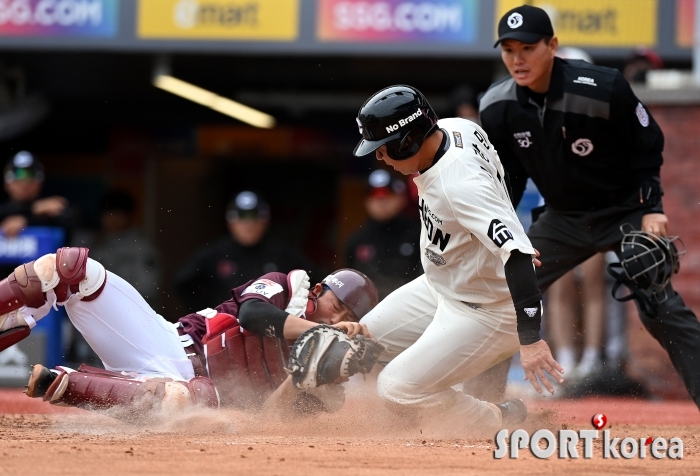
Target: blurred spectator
x=581, y=289
x=24, y=179
x=123, y=248
x=246, y=253
x=641, y=61
x=464, y=103
x=385, y=247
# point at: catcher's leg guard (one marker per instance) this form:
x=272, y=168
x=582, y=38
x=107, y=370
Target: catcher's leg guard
x=80, y=273
x=10, y=337
x=69, y=268
x=23, y=287
x=100, y=389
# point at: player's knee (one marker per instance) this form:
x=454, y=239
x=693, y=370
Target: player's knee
x=197, y=391
x=70, y=268
x=94, y=280
x=396, y=394
x=45, y=269
x=176, y=397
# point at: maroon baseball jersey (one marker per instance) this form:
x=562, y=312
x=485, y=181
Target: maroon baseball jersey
x=272, y=288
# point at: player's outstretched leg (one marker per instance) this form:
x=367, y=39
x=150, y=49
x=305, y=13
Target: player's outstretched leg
x=98, y=389
x=23, y=294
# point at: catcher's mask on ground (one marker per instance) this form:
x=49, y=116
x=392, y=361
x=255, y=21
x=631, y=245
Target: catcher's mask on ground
x=398, y=117
x=647, y=263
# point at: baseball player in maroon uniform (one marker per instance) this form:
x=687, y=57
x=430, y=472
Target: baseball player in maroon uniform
x=234, y=354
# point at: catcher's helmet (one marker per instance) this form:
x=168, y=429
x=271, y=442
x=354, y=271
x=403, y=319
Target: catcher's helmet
x=356, y=290
x=398, y=116
x=647, y=261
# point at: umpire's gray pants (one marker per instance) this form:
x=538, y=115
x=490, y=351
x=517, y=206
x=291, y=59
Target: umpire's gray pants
x=566, y=239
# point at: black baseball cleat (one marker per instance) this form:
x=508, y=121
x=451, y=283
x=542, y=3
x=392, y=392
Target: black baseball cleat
x=40, y=379
x=513, y=411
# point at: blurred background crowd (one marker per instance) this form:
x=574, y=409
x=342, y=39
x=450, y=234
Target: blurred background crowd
x=102, y=148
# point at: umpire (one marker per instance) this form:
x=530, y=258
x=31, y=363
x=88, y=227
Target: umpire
x=594, y=152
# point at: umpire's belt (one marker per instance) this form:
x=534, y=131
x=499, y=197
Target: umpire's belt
x=198, y=364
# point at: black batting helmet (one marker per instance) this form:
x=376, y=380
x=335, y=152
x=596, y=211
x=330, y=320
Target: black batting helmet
x=398, y=116
x=647, y=262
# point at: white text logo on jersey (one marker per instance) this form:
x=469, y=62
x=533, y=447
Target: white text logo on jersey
x=435, y=235
x=585, y=80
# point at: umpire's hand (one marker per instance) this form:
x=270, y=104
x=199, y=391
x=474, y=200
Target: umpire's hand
x=656, y=223
x=537, y=359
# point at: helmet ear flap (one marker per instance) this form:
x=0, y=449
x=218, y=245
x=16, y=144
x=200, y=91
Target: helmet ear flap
x=409, y=145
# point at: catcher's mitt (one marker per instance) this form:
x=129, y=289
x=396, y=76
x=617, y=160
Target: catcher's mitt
x=325, y=354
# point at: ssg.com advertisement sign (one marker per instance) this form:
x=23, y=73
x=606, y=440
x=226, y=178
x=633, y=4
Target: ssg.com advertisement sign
x=397, y=20
x=97, y=18
x=276, y=20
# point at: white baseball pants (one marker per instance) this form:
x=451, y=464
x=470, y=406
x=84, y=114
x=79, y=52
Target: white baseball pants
x=127, y=334
x=433, y=343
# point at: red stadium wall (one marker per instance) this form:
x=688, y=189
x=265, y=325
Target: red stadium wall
x=680, y=177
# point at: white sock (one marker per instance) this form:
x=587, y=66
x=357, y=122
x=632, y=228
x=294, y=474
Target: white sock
x=590, y=355
x=589, y=359
x=566, y=358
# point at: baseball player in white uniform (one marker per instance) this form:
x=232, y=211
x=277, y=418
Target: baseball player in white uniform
x=478, y=302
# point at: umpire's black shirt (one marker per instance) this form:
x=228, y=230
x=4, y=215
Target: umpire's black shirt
x=589, y=146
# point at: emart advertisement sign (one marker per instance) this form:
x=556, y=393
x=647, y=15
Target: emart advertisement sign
x=96, y=18
x=397, y=20
x=601, y=23
x=276, y=20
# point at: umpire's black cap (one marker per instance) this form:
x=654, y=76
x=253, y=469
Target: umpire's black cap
x=524, y=23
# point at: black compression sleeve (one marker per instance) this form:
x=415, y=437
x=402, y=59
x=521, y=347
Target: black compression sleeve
x=262, y=318
x=522, y=282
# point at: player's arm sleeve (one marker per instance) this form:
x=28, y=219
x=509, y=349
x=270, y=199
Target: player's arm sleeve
x=642, y=137
x=517, y=175
x=262, y=318
x=527, y=298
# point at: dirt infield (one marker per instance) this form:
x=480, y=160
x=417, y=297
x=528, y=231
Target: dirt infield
x=362, y=438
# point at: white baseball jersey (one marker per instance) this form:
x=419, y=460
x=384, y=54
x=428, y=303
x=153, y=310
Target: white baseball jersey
x=470, y=226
